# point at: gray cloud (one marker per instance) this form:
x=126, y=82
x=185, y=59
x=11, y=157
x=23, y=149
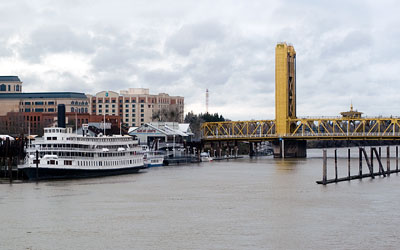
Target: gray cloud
x=56, y=39
x=345, y=51
x=192, y=36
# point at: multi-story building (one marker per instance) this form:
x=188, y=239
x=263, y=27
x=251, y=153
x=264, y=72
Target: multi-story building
x=10, y=84
x=43, y=102
x=16, y=123
x=136, y=106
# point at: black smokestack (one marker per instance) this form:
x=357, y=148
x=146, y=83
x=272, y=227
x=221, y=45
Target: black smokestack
x=61, y=116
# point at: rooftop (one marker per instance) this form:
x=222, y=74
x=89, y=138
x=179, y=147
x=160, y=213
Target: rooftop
x=47, y=95
x=9, y=79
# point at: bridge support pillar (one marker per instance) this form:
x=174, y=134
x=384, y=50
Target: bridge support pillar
x=289, y=148
x=251, y=149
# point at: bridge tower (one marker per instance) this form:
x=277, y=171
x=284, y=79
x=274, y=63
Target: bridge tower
x=285, y=87
x=285, y=102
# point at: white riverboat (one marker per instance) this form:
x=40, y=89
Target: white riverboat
x=61, y=154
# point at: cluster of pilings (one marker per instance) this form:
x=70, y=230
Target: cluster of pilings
x=232, y=149
x=362, y=154
x=11, y=154
x=222, y=149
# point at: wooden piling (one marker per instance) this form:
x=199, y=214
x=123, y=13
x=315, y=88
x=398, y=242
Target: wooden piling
x=388, y=160
x=37, y=165
x=372, y=160
x=360, y=162
x=381, y=169
x=374, y=153
x=336, y=174
x=324, y=167
x=371, y=170
x=348, y=161
x=397, y=158
x=10, y=168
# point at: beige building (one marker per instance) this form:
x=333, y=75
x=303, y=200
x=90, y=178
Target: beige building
x=43, y=102
x=136, y=106
x=10, y=84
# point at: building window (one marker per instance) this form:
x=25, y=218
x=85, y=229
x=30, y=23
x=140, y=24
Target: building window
x=126, y=110
x=50, y=110
x=27, y=103
x=107, y=101
x=3, y=87
x=142, y=105
x=133, y=120
x=142, y=101
x=141, y=115
x=27, y=110
x=113, y=110
x=142, y=110
x=133, y=110
x=50, y=103
x=39, y=110
x=127, y=106
x=113, y=105
x=94, y=106
x=127, y=120
x=133, y=105
x=133, y=100
x=106, y=105
x=17, y=87
x=72, y=109
x=126, y=115
x=100, y=101
x=100, y=106
x=106, y=110
x=9, y=88
x=113, y=101
x=126, y=100
x=38, y=103
x=142, y=120
x=100, y=111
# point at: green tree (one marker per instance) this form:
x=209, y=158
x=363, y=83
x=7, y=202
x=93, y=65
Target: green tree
x=195, y=121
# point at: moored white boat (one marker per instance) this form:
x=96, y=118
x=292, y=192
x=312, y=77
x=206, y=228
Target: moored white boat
x=205, y=157
x=65, y=155
x=152, y=158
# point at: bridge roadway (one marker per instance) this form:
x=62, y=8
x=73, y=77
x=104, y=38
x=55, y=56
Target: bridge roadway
x=322, y=128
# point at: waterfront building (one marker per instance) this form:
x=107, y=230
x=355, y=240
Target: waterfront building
x=10, y=84
x=17, y=123
x=133, y=107
x=136, y=106
x=165, y=134
x=43, y=102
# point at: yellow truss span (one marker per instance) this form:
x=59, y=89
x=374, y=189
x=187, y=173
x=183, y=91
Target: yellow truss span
x=305, y=129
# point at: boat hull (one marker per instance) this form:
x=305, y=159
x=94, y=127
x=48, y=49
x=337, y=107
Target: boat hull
x=62, y=173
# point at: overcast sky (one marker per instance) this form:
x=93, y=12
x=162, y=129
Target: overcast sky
x=346, y=51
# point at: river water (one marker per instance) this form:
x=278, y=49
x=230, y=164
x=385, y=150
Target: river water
x=258, y=203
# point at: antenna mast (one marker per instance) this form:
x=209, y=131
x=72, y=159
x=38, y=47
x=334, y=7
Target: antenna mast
x=206, y=101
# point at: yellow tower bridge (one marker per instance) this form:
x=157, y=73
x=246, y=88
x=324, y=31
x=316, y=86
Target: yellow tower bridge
x=289, y=133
